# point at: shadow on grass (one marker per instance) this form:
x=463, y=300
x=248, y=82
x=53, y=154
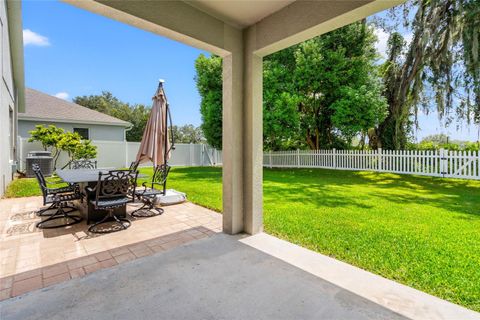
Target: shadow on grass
x=331, y=188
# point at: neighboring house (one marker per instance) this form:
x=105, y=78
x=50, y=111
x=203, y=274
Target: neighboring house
x=45, y=109
x=12, y=87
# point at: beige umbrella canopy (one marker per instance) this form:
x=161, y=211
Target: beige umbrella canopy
x=155, y=145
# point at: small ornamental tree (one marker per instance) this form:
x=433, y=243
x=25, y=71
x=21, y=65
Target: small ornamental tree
x=59, y=140
x=85, y=150
x=48, y=137
x=69, y=143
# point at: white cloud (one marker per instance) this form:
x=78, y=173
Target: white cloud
x=382, y=40
x=34, y=39
x=62, y=95
x=408, y=39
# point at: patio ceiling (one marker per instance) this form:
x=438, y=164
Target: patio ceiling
x=240, y=14
x=242, y=33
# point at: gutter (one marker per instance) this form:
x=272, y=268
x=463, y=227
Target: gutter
x=14, y=16
x=27, y=118
x=125, y=132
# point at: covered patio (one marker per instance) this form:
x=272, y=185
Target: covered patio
x=241, y=33
x=191, y=262
x=33, y=258
x=231, y=277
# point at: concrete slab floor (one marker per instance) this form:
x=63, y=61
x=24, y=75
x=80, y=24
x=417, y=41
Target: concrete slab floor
x=214, y=278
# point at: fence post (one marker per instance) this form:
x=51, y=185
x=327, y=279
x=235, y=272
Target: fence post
x=192, y=147
x=334, y=152
x=270, y=159
x=298, y=158
x=125, y=143
x=442, y=162
x=379, y=159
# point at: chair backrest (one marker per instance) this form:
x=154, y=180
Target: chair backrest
x=134, y=166
x=41, y=179
x=83, y=164
x=115, y=184
x=160, y=174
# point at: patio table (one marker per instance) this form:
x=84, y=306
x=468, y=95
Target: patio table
x=88, y=178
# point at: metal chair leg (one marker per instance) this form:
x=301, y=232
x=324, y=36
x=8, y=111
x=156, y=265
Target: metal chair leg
x=59, y=214
x=150, y=207
x=123, y=223
x=41, y=212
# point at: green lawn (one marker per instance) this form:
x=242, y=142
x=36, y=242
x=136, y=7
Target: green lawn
x=420, y=231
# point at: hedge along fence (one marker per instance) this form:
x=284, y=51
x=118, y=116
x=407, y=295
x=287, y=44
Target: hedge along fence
x=439, y=163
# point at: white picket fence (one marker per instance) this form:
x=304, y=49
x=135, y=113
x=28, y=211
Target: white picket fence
x=440, y=163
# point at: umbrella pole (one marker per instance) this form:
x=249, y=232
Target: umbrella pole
x=165, y=146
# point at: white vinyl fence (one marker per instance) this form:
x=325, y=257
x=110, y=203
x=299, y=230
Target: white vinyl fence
x=118, y=154
x=441, y=163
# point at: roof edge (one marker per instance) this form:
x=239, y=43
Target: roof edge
x=14, y=12
x=117, y=124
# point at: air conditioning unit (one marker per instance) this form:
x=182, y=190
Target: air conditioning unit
x=39, y=153
x=43, y=159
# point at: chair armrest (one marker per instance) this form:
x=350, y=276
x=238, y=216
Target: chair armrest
x=67, y=189
x=144, y=185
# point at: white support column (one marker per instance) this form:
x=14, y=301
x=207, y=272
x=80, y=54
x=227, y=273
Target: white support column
x=253, y=129
x=242, y=135
x=232, y=151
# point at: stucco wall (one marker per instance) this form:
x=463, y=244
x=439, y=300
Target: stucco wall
x=97, y=132
x=7, y=104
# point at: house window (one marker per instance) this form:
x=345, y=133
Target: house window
x=83, y=132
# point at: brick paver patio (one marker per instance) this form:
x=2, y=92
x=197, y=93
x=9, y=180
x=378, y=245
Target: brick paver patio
x=31, y=258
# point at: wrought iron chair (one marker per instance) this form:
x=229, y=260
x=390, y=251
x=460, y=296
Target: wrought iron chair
x=58, y=198
x=133, y=166
x=83, y=164
x=112, y=192
x=147, y=195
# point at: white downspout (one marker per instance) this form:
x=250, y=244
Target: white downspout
x=126, y=144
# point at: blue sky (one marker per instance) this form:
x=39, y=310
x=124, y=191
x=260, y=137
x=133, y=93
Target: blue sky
x=71, y=52
x=82, y=53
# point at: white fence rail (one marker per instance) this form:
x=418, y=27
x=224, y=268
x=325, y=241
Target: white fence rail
x=119, y=154
x=440, y=163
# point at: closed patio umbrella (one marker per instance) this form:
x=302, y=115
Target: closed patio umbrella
x=155, y=145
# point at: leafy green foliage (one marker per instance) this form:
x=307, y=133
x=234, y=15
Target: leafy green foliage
x=442, y=141
x=438, y=69
x=188, y=134
x=69, y=142
x=49, y=137
x=76, y=148
x=209, y=85
x=301, y=86
x=85, y=150
x=59, y=140
x=106, y=103
x=358, y=110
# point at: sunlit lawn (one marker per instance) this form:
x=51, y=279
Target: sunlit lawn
x=420, y=231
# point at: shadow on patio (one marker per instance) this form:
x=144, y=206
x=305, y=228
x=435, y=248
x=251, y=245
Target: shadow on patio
x=34, y=258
